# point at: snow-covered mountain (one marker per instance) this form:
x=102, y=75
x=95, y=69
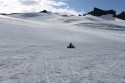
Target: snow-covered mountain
x=33, y=49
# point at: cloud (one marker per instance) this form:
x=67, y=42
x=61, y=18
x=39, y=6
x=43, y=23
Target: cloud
x=29, y=2
x=11, y=6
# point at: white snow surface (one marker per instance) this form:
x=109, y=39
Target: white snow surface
x=107, y=17
x=34, y=49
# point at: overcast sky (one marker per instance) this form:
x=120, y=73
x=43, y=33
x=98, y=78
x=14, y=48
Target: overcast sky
x=58, y=6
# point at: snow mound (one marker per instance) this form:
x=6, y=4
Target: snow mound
x=107, y=17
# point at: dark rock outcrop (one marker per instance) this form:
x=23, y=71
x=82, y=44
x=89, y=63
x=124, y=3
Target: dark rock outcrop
x=121, y=16
x=5, y=14
x=84, y=14
x=80, y=15
x=44, y=11
x=99, y=12
x=65, y=15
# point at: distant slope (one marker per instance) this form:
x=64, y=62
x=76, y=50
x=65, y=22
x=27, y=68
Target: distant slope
x=107, y=22
x=35, y=16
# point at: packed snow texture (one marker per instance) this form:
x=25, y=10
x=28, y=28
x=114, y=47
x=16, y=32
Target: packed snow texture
x=33, y=49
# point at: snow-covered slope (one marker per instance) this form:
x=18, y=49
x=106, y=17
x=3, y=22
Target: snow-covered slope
x=107, y=17
x=36, y=16
x=33, y=49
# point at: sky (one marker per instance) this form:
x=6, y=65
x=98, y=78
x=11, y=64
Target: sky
x=88, y=5
x=60, y=6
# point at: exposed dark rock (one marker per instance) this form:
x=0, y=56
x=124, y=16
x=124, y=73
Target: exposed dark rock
x=15, y=13
x=80, y=15
x=44, y=11
x=84, y=14
x=71, y=46
x=4, y=14
x=65, y=15
x=99, y=12
x=121, y=16
x=9, y=14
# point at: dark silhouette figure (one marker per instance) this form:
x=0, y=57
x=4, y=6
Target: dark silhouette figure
x=71, y=46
